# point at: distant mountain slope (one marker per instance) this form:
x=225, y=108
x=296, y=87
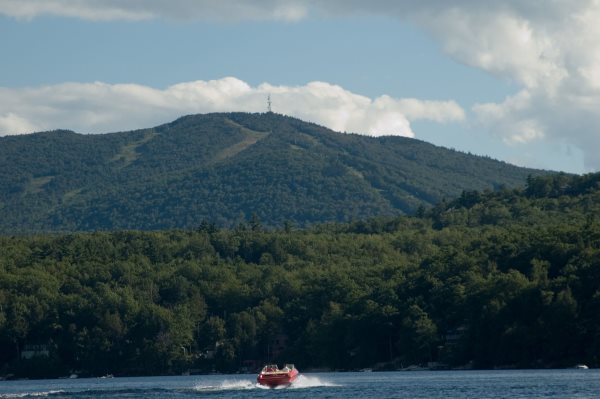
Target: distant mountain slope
x=223, y=168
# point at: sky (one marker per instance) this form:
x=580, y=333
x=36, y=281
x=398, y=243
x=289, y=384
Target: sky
x=515, y=80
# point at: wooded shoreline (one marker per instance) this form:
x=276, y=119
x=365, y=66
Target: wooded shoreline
x=492, y=279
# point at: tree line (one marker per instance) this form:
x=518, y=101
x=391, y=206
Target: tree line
x=507, y=278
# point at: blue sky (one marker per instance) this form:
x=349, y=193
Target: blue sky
x=462, y=77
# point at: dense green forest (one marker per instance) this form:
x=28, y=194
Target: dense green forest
x=506, y=278
x=222, y=168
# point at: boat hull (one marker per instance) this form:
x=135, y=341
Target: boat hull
x=277, y=379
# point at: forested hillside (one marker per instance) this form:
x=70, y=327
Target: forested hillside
x=493, y=279
x=223, y=168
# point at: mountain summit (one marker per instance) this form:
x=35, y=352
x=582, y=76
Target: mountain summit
x=224, y=167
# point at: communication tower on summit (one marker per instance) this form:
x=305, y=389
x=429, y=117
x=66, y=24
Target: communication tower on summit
x=269, y=104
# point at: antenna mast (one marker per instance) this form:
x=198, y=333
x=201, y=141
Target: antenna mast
x=269, y=103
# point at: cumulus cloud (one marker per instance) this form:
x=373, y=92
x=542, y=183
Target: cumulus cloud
x=101, y=107
x=15, y=123
x=511, y=119
x=102, y=10
x=551, y=49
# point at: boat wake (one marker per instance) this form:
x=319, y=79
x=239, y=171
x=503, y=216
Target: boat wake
x=227, y=385
x=301, y=382
x=311, y=382
x=92, y=393
x=30, y=394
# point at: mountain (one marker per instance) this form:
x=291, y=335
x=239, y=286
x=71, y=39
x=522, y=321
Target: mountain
x=223, y=168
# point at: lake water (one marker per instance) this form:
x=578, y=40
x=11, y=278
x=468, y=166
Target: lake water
x=530, y=384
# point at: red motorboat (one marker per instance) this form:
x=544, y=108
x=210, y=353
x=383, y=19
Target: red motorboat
x=272, y=376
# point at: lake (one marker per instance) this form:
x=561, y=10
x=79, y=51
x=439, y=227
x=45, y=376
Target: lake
x=513, y=384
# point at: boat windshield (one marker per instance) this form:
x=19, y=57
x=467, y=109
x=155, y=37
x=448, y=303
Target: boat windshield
x=269, y=368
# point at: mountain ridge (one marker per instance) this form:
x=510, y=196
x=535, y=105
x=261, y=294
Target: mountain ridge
x=223, y=167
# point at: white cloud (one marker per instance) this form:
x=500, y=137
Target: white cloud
x=511, y=119
x=14, y=123
x=102, y=10
x=101, y=107
x=98, y=11
x=550, y=48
